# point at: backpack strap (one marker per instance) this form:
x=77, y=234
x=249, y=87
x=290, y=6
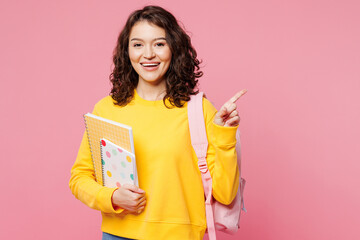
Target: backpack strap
x=242, y=180
x=200, y=145
x=197, y=130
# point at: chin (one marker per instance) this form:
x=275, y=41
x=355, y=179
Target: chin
x=152, y=79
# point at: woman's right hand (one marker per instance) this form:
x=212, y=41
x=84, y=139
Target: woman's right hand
x=129, y=197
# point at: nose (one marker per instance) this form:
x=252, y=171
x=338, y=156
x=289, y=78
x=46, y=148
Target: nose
x=149, y=52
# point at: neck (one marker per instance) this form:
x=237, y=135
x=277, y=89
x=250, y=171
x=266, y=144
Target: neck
x=151, y=92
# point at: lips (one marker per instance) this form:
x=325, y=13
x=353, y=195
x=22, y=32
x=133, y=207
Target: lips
x=150, y=66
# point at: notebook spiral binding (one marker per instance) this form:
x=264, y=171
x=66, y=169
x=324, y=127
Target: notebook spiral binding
x=92, y=153
x=102, y=169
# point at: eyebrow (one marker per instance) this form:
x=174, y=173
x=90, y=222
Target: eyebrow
x=139, y=39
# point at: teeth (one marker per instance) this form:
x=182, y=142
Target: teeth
x=150, y=64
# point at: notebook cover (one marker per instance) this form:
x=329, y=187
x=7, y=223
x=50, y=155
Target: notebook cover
x=118, y=165
x=97, y=128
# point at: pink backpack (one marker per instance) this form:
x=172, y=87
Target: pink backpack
x=221, y=217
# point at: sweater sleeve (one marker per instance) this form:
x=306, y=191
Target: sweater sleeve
x=82, y=181
x=221, y=157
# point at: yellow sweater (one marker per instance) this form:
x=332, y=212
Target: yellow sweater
x=167, y=171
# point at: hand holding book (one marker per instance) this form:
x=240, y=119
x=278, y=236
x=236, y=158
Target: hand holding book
x=129, y=197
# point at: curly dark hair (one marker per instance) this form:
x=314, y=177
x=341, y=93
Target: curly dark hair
x=181, y=77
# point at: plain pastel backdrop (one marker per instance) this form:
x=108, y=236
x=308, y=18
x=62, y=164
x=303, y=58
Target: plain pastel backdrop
x=300, y=119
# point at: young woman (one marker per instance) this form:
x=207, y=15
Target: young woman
x=155, y=71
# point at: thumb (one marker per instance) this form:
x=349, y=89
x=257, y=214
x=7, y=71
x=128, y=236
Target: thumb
x=134, y=188
x=223, y=111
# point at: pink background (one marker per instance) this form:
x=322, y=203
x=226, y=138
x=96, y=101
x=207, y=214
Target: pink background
x=300, y=119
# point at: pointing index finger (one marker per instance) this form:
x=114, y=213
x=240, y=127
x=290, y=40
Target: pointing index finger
x=237, y=96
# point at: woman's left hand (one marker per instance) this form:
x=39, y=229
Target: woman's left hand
x=228, y=116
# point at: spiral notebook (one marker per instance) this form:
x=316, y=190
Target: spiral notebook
x=118, y=165
x=117, y=133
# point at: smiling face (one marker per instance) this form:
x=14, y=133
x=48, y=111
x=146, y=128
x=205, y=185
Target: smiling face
x=149, y=52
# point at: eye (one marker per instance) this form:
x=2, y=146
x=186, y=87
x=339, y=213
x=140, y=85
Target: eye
x=137, y=45
x=160, y=44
